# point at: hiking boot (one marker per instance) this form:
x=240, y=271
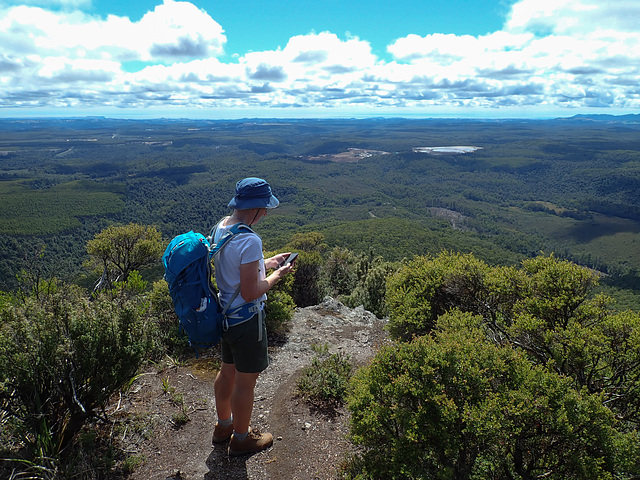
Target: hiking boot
x=221, y=434
x=255, y=442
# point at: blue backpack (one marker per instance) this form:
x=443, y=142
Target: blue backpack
x=187, y=271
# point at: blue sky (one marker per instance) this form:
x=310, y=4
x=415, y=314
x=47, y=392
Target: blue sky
x=256, y=25
x=296, y=58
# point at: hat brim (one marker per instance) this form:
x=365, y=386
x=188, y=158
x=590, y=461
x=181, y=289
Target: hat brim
x=248, y=203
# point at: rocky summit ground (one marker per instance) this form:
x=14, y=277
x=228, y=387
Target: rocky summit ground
x=169, y=411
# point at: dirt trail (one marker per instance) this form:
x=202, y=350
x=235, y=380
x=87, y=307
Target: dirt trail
x=308, y=444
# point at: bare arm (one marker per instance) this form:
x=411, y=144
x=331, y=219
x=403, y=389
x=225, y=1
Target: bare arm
x=251, y=287
x=276, y=260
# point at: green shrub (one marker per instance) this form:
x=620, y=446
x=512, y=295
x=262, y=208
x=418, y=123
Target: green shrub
x=61, y=357
x=307, y=289
x=548, y=308
x=308, y=242
x=371, y=289
x=428, y=287
x=279, y=310
x=280, y=305
x=325, y=381
x=457, y=406
x=339, y=272
x=132, y=462
x=167, y=337
x=5, y=300
x=588, y=342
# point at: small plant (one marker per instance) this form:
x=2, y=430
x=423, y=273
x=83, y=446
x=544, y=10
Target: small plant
x=131, y=463
x=177, y=399
x=325, y=381
x=174, y=362
x=137, y=427
x=279, y=309
x=166, y=386
x=181, y=417
x=41, y=468
x=320, y=350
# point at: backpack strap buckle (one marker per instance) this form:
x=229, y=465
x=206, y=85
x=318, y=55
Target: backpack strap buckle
x=243, y=313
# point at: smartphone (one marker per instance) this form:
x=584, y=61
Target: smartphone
x=290, y=259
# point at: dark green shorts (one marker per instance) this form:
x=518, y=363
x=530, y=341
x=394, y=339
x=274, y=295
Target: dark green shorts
x=240, y=346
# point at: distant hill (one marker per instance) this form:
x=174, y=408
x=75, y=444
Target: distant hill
x=631, y=118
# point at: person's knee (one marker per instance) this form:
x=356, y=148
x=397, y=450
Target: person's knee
x=246, y=381
x=226, y=374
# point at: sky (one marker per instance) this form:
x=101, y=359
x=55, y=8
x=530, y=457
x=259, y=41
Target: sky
x=319, y=58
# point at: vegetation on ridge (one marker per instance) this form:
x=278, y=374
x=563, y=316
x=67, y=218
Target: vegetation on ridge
x=502, y=372
x=499, y=372
x=506, y=363
x=567, y=186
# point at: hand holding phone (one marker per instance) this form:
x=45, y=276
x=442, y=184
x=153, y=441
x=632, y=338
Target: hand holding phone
x=290, y=259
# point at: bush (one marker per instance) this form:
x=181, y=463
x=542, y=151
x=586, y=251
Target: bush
x=339, y=272
x=167, y=337
x=279, y=312
x=371, y=289
x=457, y=406
x=547, y=308
x=306, y=289
x=280, y=306
x=325, y=381
x=61, y=357
x=428, y=287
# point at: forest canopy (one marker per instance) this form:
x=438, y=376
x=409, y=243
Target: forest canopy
x=565, y=186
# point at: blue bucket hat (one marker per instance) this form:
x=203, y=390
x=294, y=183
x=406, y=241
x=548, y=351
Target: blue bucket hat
x=253, y=193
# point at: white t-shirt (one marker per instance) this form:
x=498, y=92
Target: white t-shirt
x=241, y=249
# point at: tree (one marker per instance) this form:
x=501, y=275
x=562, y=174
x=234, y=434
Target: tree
x=118, y=250
x=455, y=405
x=548, y=308
x=427, y=287
x=306, y=288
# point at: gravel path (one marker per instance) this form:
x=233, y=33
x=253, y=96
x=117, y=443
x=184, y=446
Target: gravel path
x=308, y=444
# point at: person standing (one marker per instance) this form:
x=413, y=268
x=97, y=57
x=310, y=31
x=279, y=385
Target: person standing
x=241, y=275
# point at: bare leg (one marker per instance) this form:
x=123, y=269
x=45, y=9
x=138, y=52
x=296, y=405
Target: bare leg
x=223, y=388
x=235, y=394
x=242, y=400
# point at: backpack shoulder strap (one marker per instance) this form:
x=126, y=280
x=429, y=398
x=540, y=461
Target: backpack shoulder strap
x=217, y=247
x=233, y=231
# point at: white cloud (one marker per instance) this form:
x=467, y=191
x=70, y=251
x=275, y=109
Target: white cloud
x=573, y=17
x=445, y=49
x=174, y=30
x=180, y=30
x=550, y=53
x=61, y=70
